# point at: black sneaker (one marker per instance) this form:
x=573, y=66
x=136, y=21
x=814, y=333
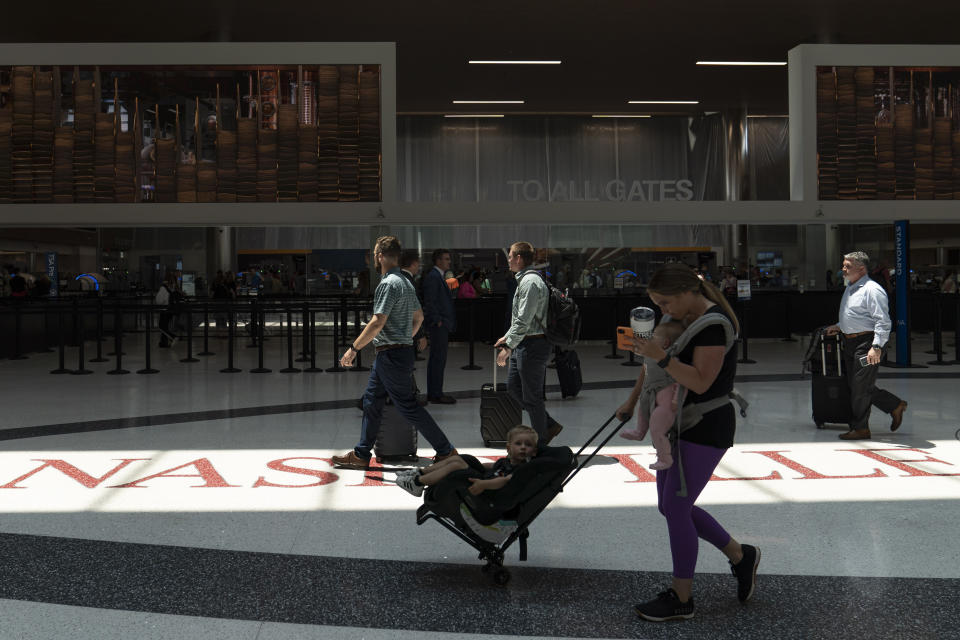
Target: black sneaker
x=746, y=572
x=666, y=606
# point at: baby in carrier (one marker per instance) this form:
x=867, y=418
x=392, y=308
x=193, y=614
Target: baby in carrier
x=659, y=399
x=521, y=446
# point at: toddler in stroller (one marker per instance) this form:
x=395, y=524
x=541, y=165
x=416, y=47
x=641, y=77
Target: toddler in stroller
x=521, y=446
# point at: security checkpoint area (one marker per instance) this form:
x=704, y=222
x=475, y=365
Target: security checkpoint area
x=185, y=360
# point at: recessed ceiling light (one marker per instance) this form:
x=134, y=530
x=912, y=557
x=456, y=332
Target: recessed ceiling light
x=514, y=61
x=663, y=102
x=718, y=63
x=488, y=102
x=622, y=116
x=473, y=115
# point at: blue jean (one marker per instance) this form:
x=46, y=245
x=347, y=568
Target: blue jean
x=525, y=378
x=437, y=362
x=390, y=376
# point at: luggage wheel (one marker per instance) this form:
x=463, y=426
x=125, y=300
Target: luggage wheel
x=501, y=575
x=819, y=425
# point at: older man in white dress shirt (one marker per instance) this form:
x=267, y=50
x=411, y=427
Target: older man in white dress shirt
x=864, y=326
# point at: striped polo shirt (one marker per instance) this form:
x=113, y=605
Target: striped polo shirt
x=395, y=298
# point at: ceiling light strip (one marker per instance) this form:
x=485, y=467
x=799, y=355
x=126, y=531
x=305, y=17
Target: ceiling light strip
x=473, y=115
x=621, y=116
x=514, y=61
x=663, y=102
x=488, y=102
x=742, y=63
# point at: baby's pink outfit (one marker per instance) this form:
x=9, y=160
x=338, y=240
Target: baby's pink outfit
x=659, y=423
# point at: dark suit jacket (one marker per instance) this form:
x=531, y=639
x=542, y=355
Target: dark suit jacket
x=419, y=334
x=437, y=303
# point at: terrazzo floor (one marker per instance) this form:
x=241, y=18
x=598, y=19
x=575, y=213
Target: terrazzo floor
x=196, y=504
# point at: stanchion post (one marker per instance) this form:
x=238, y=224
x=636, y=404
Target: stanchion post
x=16, y=332
x=938, y=331
x=313, y=368
x=261, y=320
x=99, y=357
x=45, y=347
x=148, y=342
x=62, y=369
x=78, y=333
x=336, y=368
x=118, y=342
x=787, y=336
x=358, y=363
x=744, y=339
x=189, y=357
x=231, y=330
x=956, y=326
x=206, y=331
x=631, y=361
x=290, y=368
x=472, y=366
x=254, y=324
x=613, y=355
x=304, y=353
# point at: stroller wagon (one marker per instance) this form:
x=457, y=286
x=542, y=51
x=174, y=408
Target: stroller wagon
x=492, y=521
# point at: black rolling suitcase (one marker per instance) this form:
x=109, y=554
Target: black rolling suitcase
x=499, y=412
x=397, y=439
x=830, y=394
x=568, y=371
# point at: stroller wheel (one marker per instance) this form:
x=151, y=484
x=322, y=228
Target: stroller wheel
x=501, y=577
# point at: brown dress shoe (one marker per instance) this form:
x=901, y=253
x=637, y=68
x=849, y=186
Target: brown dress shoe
x=552, y=433
x=350, y=460
x=898, y=415
x=856, y=434
x=437, y=458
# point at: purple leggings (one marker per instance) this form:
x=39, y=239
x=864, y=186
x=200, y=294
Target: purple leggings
x=686, y=522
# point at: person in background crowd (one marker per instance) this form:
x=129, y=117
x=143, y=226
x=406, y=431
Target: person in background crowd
x=18, y=284
x=525, y=346
x=729, y=283
x=466, y=289
x=440, y=318
x=865, y=326
x=41, y=286
x=949, y=284
x=829, y=279
x=166, y=298
x=397, y=316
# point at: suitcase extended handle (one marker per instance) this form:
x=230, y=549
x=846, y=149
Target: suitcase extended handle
x=596, y=434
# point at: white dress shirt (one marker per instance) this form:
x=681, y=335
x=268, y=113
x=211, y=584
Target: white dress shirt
x=863, y=307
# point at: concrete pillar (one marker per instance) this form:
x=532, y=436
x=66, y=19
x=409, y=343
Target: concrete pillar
x=225, y=259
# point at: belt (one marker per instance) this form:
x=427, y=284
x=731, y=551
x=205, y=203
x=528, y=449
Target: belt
x=848, y=336
x=388, y=347
x=534, y=335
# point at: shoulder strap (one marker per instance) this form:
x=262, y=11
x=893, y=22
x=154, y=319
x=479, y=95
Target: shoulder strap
x=698, y=325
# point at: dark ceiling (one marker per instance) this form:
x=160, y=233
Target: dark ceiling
x=611, y=51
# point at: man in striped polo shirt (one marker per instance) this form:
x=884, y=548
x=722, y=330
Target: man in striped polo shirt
x=397, y=316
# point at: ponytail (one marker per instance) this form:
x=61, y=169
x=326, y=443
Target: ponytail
x=676, y=278
x=713, y=294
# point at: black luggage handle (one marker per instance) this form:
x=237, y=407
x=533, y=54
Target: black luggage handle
x=581, y=465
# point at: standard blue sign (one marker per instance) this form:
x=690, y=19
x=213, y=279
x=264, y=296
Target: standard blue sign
x=53, y=272
x=902, y=244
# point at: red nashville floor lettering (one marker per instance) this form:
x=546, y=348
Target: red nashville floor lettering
x=899, y=464
x=641, y=474
x=64, y=467
x=806, y=472
x=205, y=470
x=279, y=465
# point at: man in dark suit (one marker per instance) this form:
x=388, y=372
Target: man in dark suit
x=440, y=318
x=410, y=267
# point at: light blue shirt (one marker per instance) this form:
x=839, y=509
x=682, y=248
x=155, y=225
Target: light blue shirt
x=395, y=298
x=864, y=307
x=529, y=315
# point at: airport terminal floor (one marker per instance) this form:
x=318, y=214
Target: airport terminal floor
x=195, y=504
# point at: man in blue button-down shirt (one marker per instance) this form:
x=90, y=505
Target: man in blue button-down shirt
x=865, y=327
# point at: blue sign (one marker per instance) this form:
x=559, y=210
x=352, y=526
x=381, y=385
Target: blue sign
x=902, y=322
x=53, y=272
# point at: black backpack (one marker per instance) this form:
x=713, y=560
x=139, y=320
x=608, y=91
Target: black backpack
x=563, y=317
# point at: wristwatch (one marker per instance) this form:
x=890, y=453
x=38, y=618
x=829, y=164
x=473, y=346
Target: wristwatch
x=353, y=348
x=663, y=363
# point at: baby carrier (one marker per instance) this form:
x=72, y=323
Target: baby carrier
x=492, y=521
x=690, y=415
